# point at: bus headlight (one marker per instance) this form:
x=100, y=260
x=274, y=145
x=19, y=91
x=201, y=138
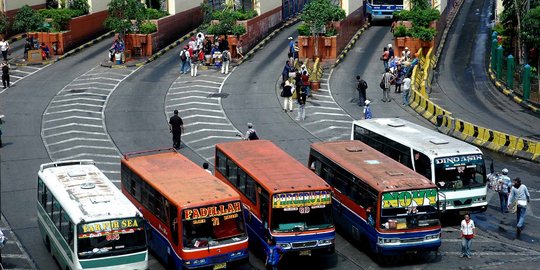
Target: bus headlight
x=388, y=240
x=196, y=262
x=432, y=236
x=479, y=199
x=326, y=242
x=237, y=254
x=284, y=245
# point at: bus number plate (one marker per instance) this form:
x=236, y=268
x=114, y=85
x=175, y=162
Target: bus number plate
x=220, y=266
x=305, y=252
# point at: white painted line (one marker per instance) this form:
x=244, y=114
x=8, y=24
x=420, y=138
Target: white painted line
x=489, y=253
x=22, y=71
x=207, y=123
x=340, y=137
x=190, y=91
x=73, y=125
x=107, y=163
x=72, y=117
x=13, y=76
x=82, y=94
x=79, y=139
x=115, y=181
x=209, y=129
x=75, y=132
x=107, y=73
x=321, y=96
x=334, y=114
x=215, y=137
x=56, y=100
x=96, y=78
x=325, y=108
x=84, y=147
x=31, y=67
x=88, y=155
x=195, y=81
x=329, y=129
x=92, y=83
x=75, y=104
x=195, y=109
x=194, y=97
x=323, y=90
x=329, y=120
x=192, y=102
x=68, y=89
x=73, y=110
x=193, y=86
x=320, y=101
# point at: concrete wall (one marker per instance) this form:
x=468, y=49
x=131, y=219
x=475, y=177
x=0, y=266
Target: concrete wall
x=263, y=6
x=351, y=6
x=177, y=6
x=16, y=4
x=173, y=27
x=98, y=5
x=259, y=26
x=348, y=27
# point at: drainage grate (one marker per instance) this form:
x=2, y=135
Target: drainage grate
x=218, y=95
x=77, y=90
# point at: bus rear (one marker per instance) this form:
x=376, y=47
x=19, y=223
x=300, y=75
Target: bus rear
x=382, y=10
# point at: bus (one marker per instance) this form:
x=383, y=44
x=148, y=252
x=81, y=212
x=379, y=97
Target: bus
x=193, y=219
x=283, y=200
x=85, y=221
x=456, y=167
x=378, y=10
x=377, y=200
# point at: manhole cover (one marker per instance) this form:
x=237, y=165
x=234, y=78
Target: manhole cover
x=218, y=95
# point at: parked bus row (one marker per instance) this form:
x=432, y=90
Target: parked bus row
x=260, y=194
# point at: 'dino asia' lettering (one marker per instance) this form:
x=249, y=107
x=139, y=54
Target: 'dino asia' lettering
x=212, y=211
x=299, y=199
x=459, y=159
x=409, y=198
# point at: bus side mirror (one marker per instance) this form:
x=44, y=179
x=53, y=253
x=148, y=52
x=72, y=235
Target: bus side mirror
x=442, y=202
x=266, y=225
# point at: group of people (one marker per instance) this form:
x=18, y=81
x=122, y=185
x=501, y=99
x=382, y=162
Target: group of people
x=116, y=51
x=397, y=72
x=513, y=197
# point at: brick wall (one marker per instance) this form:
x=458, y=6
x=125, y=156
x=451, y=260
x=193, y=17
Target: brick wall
x=259, y=26
x=173, y=27
x=348, y=27
x=85, y=28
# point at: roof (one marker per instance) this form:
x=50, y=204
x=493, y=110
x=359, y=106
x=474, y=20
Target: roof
x=376, y=169
x=425, y=140
x=177, y=178
x=273, y=167
x=85, y=192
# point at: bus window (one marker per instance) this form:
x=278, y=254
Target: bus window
x=422, y=164
x=460, y=172
x=264, y=199
x=173, y=223
x=221, y=163
x=242, y=178
x=56, y=213
x=232, y=172
x=302, y=218
x=327, y=174
x=340, y=184
x=251, y=192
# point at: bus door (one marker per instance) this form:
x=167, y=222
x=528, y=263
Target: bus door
x=264, y=203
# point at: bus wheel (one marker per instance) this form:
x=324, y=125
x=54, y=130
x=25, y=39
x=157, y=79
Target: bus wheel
x=47, y=244
x=170, y=264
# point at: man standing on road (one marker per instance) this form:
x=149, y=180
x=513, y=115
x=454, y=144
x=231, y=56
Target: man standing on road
x=406, y=90
x=361, y=88
x=176, y=127
x=4, y=47
x=184, y=57
x=520, y=195
x=5, y=74
x=468, y=230
x=386, y=81
x=504, y=184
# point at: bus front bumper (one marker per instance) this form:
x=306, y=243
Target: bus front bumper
x=405, y=247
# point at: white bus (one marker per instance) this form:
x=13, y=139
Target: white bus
x=85, y=221
x=456, y=167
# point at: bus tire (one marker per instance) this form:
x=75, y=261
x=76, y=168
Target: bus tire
x=170, y=264
x=47, y=244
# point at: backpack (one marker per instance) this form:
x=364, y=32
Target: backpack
x=252, y=135
x=225, y=55
x=183, y=56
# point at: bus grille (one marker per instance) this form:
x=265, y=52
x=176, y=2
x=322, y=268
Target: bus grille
x=304, y=244
x=466, y=202
x=412, y=240
x=219, y=258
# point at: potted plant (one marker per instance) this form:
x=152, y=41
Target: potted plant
x=318, y=14
x=400, y=32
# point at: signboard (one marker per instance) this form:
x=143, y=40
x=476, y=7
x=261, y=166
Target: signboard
x=110, y=225
x=459, y=160
x=212, y=211
x=409, y=198
x=300, y=199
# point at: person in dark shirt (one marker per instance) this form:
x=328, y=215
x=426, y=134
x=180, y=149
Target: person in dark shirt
x=176, y=127
x=223, y=44
x=5, y=74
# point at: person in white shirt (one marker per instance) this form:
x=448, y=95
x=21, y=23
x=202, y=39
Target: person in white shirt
x=520, y=195
x=4, y=47
x=468, y=230
x=406, y=90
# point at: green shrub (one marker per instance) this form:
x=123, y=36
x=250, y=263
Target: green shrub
x=401, y=31
x=148, y=28
x=238, y=30
x=154, y=14
x=303, y=30
x=27, y=20
x=422, y=18
x=245, y=15
x=423, y=33
x=216, y=29
x=331, y=32
x=81, y=6
x=402, y=15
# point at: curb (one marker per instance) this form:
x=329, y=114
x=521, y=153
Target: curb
x=17, y=37
x=445, y=34
x=159, y=53
x=517, y=98
x=69, y=53
x=349, y=46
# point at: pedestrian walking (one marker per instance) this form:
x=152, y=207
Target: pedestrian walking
x=367, y=110
x=301, y=99
x=4, y=47
x=5, y=74
x=361, y=87
x=194, y=63
x=251, y=133
x=205, y=167
x=285, y=73
x=239, y=49
x=28, y=47
x=275, y=252
x=226, y=60
x=290, y=53
x=176, y=127
x=519, y=195
x=305, y=83
x=468, y=230
x=385, y=57
x=386, y=82
x=287, y=93
x=504, y=185
x=184, y=58
x=406, y=90
x=390, y=51
x=223, y=44
x=400, y=75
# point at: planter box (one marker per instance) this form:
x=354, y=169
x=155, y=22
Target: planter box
x=327, y=47
x=139, y=44
x=400, y=42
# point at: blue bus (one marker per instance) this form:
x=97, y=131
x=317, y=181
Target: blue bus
x=379, y=10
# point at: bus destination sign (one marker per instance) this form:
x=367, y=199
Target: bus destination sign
x=299, y=199
x=408, y=198
x=110, y=225
x=212, y=211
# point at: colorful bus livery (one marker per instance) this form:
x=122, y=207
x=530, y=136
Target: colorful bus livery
x=86, y=222
x=283, y=200
x=378, y=10
x=195, y=220
x=377, y=200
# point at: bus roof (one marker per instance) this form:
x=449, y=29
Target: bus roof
x=273, y=167
x=376, y=169
x=178, y=179
x=84, y=192
x=425, y=140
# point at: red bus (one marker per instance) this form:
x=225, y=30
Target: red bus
x=377, y=199
x=194, y=220
x=283, y=200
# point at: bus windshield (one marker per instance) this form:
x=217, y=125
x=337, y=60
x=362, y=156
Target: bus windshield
x=410, y=209
x=212, y=225
x=460, y=172
x=302, y=211
x=110, y=238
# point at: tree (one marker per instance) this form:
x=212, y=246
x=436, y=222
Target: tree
x=531, y=33
x=4, y=23
x=318, y=14
x=27, y=20
x=122, y=13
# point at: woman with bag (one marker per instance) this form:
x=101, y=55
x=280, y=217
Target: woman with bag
x=519, y=195
x=287, y=93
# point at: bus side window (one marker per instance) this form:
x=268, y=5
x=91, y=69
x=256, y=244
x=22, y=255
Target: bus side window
x=221, y=163
x=49, y=204
x=64, y=226
x=251, y=190
x=42, y=193
x=56, y=212
x=232, y=172
x=264, y=205
x=126, y=178
x=173, y=223
x=340, y=183
x=327, y=174
x=136, y=184
x=422, y=164
x=242, y=179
